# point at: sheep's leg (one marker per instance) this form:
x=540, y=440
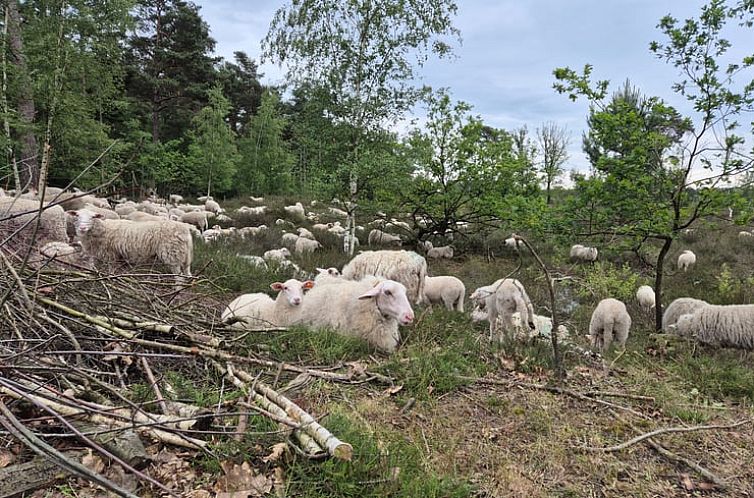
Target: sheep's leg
x=459, y=303
x=607, y=336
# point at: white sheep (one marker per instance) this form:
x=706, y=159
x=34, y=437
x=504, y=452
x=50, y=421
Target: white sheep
x=175, y=199
x=500, y=300
x=327, y=276
x=542, y=327
x=426, y=245
x=296, y=211
x=686, y=260
x=276, y=254
x=306, y=245
x=212, y=206
x=680, y=306
x=140, y=216
x=406, y=267
x=257, y=261
x=252, y=211
x=337, y=212
x=514, y=244
x=289, y=240
x=378, y=237
x=583, y=253
x=370, y=309
x=162, y=241
x=322, y=226
x=336, y=229
x=745, y=235
x=125, y=209
x=197, y=219
x=251, y=231
x=303, y=232
x=52, y=224
x=259, y=310
x=446, y=290
x=645, y=295
x=256, y=199
x=440, y=252
x=729, y=326
x=610, y=322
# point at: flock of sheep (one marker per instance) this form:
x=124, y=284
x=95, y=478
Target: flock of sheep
x=370, y=298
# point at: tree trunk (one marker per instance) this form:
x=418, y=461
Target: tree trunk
x=549, y=199
x=659, y=271
x=29, y=174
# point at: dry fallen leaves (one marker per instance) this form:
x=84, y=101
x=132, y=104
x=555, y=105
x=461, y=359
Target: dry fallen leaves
x=241, y=481
x=6, y=458
x=277, y=451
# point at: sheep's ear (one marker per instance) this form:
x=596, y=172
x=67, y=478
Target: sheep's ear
x=373, y=292
x=72, y=213
x=276, y=286
x=322, y=270
x=98, y=215
x=307, y=285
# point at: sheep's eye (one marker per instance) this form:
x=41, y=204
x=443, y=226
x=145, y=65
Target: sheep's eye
x=388, y=293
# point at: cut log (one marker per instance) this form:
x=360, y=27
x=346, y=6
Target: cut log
x=34, y=474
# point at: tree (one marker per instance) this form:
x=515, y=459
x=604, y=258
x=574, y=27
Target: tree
x=169, y=66
x=212, y=154
x=364, y=52
x=644, y=152
x=267, y=160
x=553, y=144
x=240, y=82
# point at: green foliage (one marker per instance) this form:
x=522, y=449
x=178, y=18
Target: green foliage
x=266, y=160
x=603, y=280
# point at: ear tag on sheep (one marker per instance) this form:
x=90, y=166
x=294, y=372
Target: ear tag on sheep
x=308, y=284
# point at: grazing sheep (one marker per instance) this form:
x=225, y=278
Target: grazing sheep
x=125, y=209
x=197, y=219
x=212, y=206
x=139, y=216
x=296, y=211
x=337, y=229
x=729, y=326
x=276, y=254
x=175, y=199
x=446, y=290
x=252, y=211
x=370, y=310
x=582, y=253
x=251, y=231
x=289, y=240
x=52, y=223
x=499, y=301
x=645, y=295
x=162, y=241
x=322, y=226
x=257, y=261
x=686, y=260
x=440, y=252
x=610, y=321
x=260, y=310
x=303, y=232
x=406, y=267
x=680, y=306
x=337, y=212
x=542, y=327
x=426, y=245
x=745, y=235
x=378, y=237
x=256, y=199
x=327, y=276
x=306, y=245
x=514, y=244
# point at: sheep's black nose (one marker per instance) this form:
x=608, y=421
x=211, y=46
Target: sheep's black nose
x=532, y=326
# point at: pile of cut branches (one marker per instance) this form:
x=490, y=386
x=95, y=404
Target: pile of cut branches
x=73, y=345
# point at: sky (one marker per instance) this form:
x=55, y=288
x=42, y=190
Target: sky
x=509, y=49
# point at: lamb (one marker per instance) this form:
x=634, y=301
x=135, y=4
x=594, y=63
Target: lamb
x=322, y=226
x=276, y=254
x=514, y=244
x=681, y=306
x=645, y=295
x=336, y=229
x=370, y=310
x=163, y=241
x=296, y=211
x=610, y=322
x=378, y=237
x=729, y=326
x=252, y=211
x=686, y=260
x=61, y=251
x=446, y=290
x=257, y=310
x=125, y=209
x=440, y=252
x=306, y=245
x=251, y=231
x=501, y=299
x=542, y=327
x=582, y=253
x=197, y=219
x=406, y=267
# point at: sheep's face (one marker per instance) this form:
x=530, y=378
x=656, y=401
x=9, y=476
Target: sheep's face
x=332, y=271
x=83, y=220
x=391, y=300
x=292, y=290
x=683, y=325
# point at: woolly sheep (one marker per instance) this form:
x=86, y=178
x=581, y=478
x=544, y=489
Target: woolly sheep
x=514, y=244
x=681, y=306
x=446, y=290
x=139, y=216
x=360, y=309
x=204, y=198
x=303, y=232
x=542, y=327
x=306, y=245
x=406, y=267
x=426, y=245
x=645, y=295
x=322, y=226
x=296, y=211
x=252, y=211
x=257, y=261
x=222, y=218
x=744, y=234
x=336, y=229
x=289, y=240
x=582, y=253
x=610, y=322
x=729, y=326
x=163, y=241
x=125, y=209
x=212, y=206
x=175, y=199
x=276, y=254
x=440, y=252
x=61, y=251
x=686, y=260
x=378, y=237
x=251, y=231
x=52, y=224
x=256, y=199
x=501, y=299
x=337, y=212
x=327, y=276
x=197, y=219
x=260, y=310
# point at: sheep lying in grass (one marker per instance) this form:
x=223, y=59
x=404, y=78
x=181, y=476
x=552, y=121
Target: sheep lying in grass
x=276, y=254
x=681, y=306
x=729, y=326
x=406, y=267
x=378, y=237
x=500, y=300
x=162, y=241
x=296, y=211
x=645, y=295
x=370, y=309
x=303, y=245
x=446, y=290
x=258, y=310
x=686, y=260
x=257, y=261
x=610, y=322
x=582, y=253
x=440, y=252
